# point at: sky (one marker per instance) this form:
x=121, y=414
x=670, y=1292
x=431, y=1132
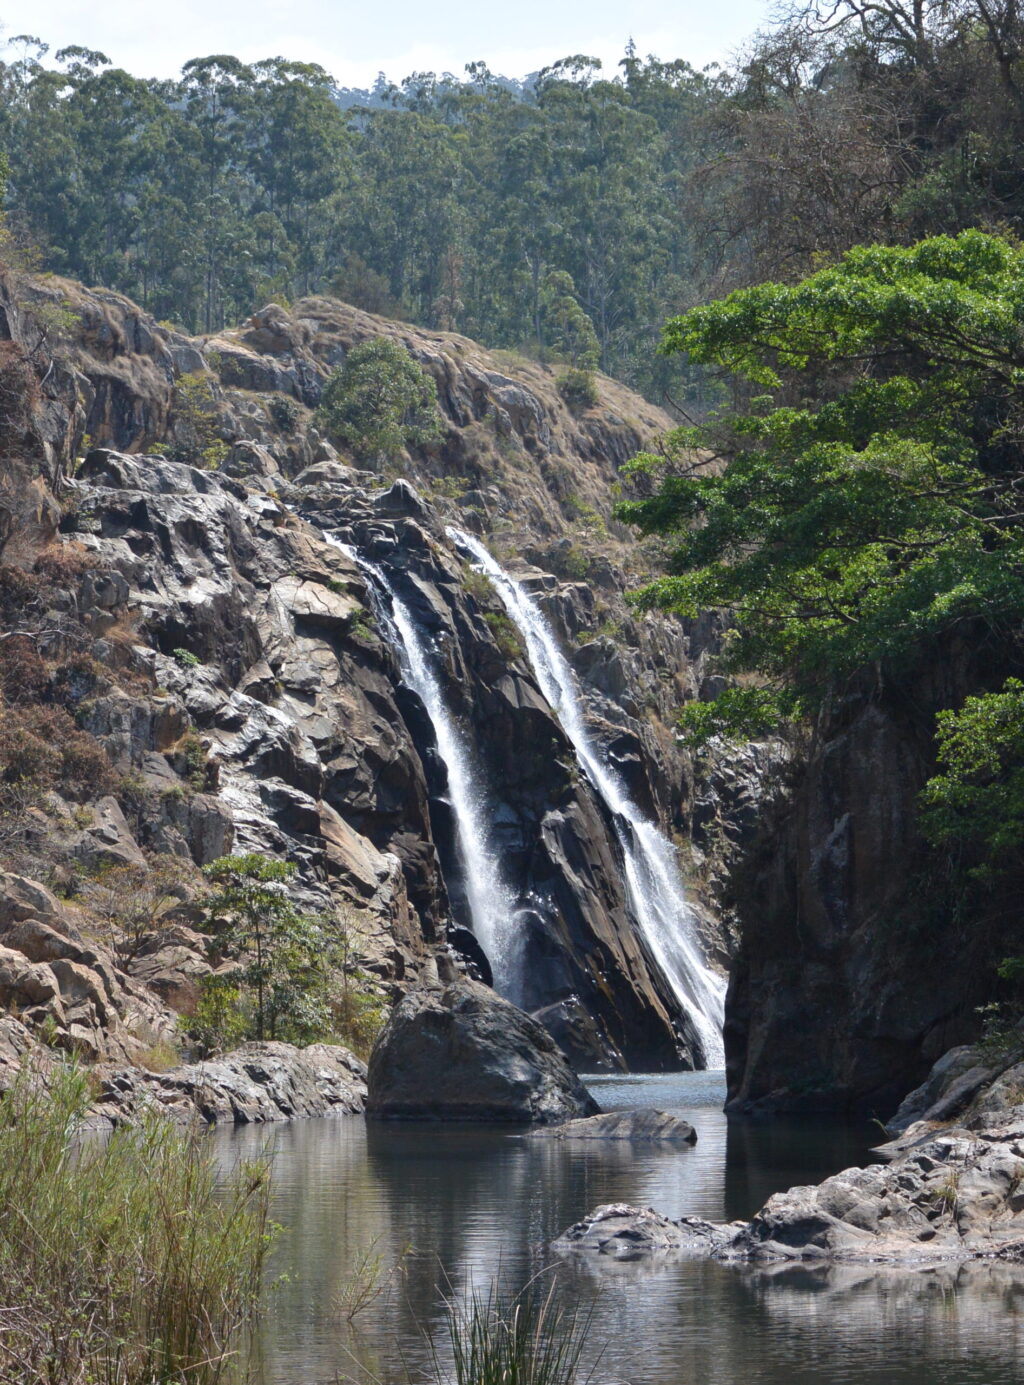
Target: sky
x=355, y=41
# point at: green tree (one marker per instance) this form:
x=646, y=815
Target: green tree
x=868, y=503
x=975, y=804
x=194, y=416
x=285, y=955
x=567, y=329
x=380, y=401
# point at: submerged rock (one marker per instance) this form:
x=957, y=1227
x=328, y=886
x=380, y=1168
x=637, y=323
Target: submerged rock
x=643, y=1126
x=463, y=1053
x=954, y=1196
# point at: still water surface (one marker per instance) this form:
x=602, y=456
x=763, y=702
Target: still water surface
x=458, y=1205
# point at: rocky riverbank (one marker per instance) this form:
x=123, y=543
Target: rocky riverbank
x=951, y=1189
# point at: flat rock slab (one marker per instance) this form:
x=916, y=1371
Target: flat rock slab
x=463, y=1053
x=257, y=1082
x=641, y=1126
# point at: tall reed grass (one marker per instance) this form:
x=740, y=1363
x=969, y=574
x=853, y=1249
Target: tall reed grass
x=122, y=1262
x=529, y=1338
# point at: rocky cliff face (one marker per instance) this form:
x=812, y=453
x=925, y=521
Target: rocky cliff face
x=854, y=973
x=195, y=627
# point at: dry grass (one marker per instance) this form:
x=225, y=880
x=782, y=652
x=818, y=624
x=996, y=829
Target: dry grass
x=121, y=1261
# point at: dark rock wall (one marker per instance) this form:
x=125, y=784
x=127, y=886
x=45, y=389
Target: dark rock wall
x=854, y=971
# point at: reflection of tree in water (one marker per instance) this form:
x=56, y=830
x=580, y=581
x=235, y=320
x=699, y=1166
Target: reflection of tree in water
x=326, y=1199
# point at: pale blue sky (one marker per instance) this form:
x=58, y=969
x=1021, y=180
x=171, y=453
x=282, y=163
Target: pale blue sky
x=356, y=40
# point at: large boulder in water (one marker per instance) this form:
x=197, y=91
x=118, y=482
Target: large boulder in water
x=463, y=1053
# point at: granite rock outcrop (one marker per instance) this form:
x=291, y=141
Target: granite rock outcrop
x=463, y=1053
x=236, y=684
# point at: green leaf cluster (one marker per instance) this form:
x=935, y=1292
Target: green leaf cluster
x=380, y=401
x=870, y=503
x=282, y=987
x=298, y=976
x=975, y=804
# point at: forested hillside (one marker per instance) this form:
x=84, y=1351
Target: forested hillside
x=568, y=214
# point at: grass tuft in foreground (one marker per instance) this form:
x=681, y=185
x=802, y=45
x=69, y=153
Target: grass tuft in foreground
x=526, y=1339
x=122, y=1262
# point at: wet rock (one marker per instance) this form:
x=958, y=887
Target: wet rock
x=954, y=1195
x=621, y=1231
x=402, y=502
x=580, y=1036
x=644, y=1126
x=463, y=1053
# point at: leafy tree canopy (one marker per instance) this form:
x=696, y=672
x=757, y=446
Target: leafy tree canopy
x=380, y=401
x=870, y=501
x=976, y=802
x=285, y=955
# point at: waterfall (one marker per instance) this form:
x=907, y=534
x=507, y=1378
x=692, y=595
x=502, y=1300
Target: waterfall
x=654, y=885
x=491, y=904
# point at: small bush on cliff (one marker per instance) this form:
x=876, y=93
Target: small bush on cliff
x=506, y=636
x=578, y=388
x=299, y=977
x=194, y=412
x=380, y=401
x=121, y=1260
x=285, y=413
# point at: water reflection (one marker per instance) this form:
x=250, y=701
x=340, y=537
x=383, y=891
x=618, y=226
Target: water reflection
x=472, y=1202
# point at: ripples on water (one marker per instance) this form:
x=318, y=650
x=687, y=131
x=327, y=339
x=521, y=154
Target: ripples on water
x=474, y=1202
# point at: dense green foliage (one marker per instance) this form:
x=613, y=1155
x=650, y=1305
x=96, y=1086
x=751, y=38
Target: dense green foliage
x=539, y=215
x=870, y=503
x=380, y=401
x=123, y=1260
x=976, y=803
x=285, y=955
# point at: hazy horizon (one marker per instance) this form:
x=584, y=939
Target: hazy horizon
x=355, y=43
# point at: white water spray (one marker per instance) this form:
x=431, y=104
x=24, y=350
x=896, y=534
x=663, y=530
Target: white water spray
x=490, y=900
x=652, y=874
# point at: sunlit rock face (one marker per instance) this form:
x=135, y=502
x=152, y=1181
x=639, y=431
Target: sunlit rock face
x=241, y=688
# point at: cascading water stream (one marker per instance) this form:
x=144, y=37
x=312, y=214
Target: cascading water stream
x=490, y=901
x=652, y=874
